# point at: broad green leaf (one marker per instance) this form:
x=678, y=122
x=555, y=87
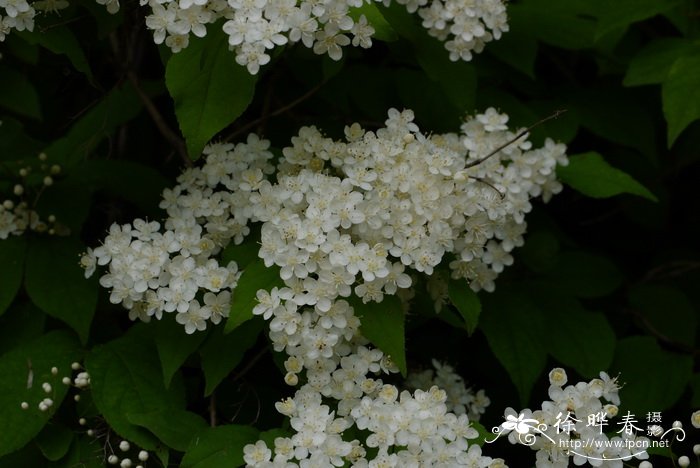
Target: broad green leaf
x=60, y=40
x=56, y=283
x=85, y=452
x=383, y=325
x=614, y=114
x=23, y=50
x=174, y=345
x=12, y=252
x=518, y=49
x=568, y=24
x=577, y=338
x=219, y=447
x=652, y=63
x=681, y=95
x=382, y=29
x=667, y=310
x=126, y=380
x=582, y=274
x=514, y=328
x=174, y=427
x=15, y=144
x=17, y=94
x=24, y=370
x=540, y=250
x=120, y=105
x=54, y=441
x=466, y=301
x=621, y=13
x=21, y=323
x=209, y=88
x=653, y=378
x=231, y=345
x=256, y=276
x=244, y=253
x=591, y=175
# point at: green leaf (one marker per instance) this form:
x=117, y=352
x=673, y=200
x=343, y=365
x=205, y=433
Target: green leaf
x=681, y=95
x=209, y=88
x=653, y=378
x=382, y=29
x=57, y=285
x=232, y=345
x=60, y=41
x=514, y=328
x=577, y=338
x=466, y=301
x=12, y=252
x=518, y=49
x=17, y=94
x=540, y=250
x=120, y=105
x=219, y=447
x=667, y=310
x=24, y=369
x=591, y=175
x=23, y=322
x=174, y=427
x=54, y=441
x=652, y=63
x=621, y=13
x=15, y=144
x=126, y=380
x=243, y=254
x=174, y=345
x=568, y=24
x=256, y=276
x=382, y=323
x=84, y=453
x=582, y=274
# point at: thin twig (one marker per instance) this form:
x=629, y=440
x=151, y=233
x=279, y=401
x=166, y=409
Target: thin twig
x=516, y=138
x=175, y=141
x=275, y=113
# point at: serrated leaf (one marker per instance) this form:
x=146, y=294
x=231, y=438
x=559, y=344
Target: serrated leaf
x=22, y=323
x=583, y=274
x=621, y=13
x=382, y=323
x=568, y=25
x=12, y=251
x=577, y=338
x=174, y=345
x=232, y=345
x=653, y=378
x=219, y=447
x=652, y=63
x=18, y=95
x=681, y=95
x=209, y=88
x=125, y=379
x=56, y=284
x=174, y=427
x=24, y=369
x=466, y=301
x=256, y=276
x=667, y=310
x=591, y=175
x=514, y=329
x=54, y=441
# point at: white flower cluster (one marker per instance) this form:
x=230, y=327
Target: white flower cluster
x=460, y=399
x=464, y=26
x=254, y=27
x=573, y=425
x=151, y=272
x=340, y=218
x=17, y=215
x=20, y=14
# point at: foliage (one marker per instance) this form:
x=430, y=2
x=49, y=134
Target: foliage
x=606, y=280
